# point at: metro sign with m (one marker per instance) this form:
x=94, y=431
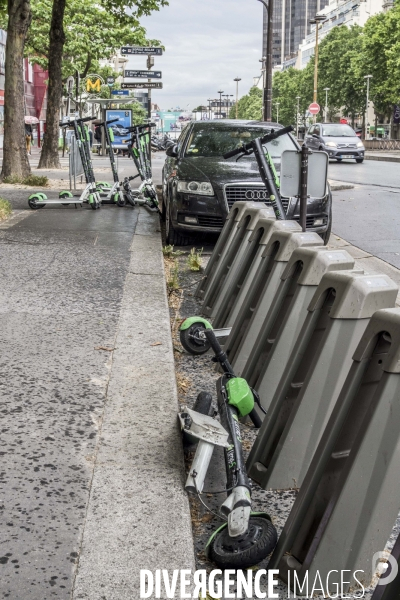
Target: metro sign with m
x=93, y=85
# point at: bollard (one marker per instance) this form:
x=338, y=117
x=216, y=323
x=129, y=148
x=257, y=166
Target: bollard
x=350, y=498
x=252, y=314
x=274, y=344
x=234, y=253
x=223, y=243
x=317, y=368
x=240, y=279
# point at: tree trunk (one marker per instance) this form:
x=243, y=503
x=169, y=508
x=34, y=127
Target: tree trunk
x=15, y=158
x=49, y=157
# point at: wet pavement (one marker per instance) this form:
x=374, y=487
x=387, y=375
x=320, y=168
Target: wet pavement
x=62, y=274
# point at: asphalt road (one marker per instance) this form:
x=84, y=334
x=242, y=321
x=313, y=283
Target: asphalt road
x=370, y=172
x=368, y=216
x=62, y=273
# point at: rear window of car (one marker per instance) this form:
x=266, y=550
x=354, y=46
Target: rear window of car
x=216, y=141
x=338, y=131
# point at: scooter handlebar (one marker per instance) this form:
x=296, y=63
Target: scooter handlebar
x=264, y=140
x=110, y=121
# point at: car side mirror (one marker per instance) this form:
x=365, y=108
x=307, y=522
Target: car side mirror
x=172, y=151
x=315, y=135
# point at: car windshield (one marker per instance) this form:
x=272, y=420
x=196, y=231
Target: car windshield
x=338, y=131
x=216, y=141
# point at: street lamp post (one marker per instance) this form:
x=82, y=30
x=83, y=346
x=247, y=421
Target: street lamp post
x=316, y=21
x=209, y=100
x=227, y=96
x=277, y=111
x=367, y=77
x=297, y=116
x=326, y=90
x=237, y=79
x=267, y=92
x=220, y=103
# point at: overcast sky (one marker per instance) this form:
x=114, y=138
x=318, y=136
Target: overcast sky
x=207, y=44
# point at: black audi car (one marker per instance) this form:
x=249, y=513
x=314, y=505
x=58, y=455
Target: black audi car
x=200, y=187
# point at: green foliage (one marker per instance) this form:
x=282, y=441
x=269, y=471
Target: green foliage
x=249, y=106
x=32, y=180
x=5, y=209
x=92, y=32
x=169, y=251
x=194, y=259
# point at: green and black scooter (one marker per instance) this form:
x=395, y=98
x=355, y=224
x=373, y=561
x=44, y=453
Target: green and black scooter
x=90, y=194
x=246, y=538
x=138, y=148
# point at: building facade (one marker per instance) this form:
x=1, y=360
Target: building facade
x=340, y=12
x=291, y=24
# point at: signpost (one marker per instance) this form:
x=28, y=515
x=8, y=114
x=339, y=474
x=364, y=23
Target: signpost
x=141, y=50
x=314, y=108
x=120, y=93
x=142, y=85
x=143, y=74
x=110, y=81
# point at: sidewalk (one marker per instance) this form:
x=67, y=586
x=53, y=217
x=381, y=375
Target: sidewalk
x=92, y=461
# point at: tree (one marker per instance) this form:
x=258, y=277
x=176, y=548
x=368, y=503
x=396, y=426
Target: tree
x=92, y=31
x=249, y=106
x=339, y=52
x=15, y=159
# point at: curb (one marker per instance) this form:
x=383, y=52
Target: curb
x=383, y=158
x=138, y=515
x=339, y=185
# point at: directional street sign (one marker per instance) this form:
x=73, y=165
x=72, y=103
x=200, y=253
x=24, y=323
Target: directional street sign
x=143, y=74
x=141, y=50
x=120, y=92
x=314, y=108
x=142, y=85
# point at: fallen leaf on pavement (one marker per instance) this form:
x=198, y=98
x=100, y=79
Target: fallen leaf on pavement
x=156, y=344
x=104, y=348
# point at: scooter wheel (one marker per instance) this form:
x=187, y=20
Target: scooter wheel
x=92, y=201
x=34, y=205
x=191, y=340
x=121, y=201
x=247, y=550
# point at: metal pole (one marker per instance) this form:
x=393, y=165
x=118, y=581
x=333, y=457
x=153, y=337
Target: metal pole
x=277, y=111
x=316, y=64
x=303, y=186
x=150, y=63
x=297, y=116
x=237, y=79
x=367, y=77
x=220, y=103
x=326, y=104
x=267, y=92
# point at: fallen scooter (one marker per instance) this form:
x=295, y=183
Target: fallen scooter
x=246, y=538
x=192, y=331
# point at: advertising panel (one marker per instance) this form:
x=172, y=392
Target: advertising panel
x=119, y=127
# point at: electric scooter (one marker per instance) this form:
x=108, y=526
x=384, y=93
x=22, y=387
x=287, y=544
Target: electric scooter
x=138, y=148
x=192, y=332
x=90, y=194
x=245, y=538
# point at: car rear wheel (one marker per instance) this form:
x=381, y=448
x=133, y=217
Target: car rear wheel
x=173, y=237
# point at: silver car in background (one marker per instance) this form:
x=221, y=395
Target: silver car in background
x=338, y=140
